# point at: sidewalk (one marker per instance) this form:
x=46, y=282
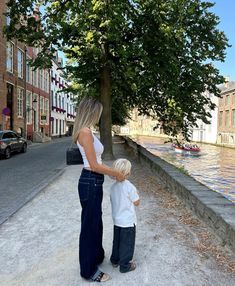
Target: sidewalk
x=39, y=244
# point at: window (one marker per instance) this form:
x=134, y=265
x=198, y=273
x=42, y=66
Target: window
x=40, y=79
x=56, y=100
x=7, y=135
x=59, y=103
x=221, y=118
x=46, y=110
x=41, y=107
x=46, y=82
x=221, y=100
x=35, y=78
x=29, y=107
x=28, y=73
x=20, y=96
x=233, y=117
x=8, y=19
x=52, y=98
x=20, y=63
x=227, y=100
x=227, y=118
x=10, y=48
x=56, y=126
x=63, y=102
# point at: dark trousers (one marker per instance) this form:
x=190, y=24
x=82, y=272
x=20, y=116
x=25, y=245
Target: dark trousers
x=91, y=252
x=123, y=246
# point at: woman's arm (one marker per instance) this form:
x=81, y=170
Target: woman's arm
x=86, y=140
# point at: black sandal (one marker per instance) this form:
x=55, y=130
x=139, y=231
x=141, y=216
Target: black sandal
x=102, y=277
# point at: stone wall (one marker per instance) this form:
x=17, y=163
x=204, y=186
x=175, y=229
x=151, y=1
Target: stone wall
x=215, y=210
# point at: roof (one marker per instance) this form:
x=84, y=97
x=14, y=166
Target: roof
x=228, y=86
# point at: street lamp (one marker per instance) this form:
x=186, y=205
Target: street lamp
x=34, y=113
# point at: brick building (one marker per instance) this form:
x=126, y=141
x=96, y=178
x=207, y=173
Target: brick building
x=37, y=100
x=226, y=115
x=12, y=81
x=24, y=93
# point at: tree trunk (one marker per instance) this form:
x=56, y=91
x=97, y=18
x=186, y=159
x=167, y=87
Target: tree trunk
x=106, y=117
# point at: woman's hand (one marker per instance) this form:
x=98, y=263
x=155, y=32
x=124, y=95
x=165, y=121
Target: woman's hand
x=120, y=177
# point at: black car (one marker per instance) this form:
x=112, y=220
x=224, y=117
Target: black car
x=11, y=142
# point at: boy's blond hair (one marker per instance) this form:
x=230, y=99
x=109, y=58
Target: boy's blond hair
x=123, y=166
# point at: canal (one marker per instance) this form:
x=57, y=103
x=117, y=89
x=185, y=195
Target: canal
x=214, y=166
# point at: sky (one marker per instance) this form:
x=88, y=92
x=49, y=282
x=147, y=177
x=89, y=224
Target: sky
x=225, y=9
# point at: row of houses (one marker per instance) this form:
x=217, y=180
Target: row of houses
x=33, y=102
x=221, y=129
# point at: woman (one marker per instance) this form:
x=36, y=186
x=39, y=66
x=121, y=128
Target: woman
x=90, y=188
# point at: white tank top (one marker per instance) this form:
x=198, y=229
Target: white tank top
x=99, y=149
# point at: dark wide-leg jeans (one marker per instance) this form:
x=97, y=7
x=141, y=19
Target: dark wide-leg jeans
x=91, y=252
x=123, y=247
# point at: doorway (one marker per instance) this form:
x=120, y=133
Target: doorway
x=10, y=104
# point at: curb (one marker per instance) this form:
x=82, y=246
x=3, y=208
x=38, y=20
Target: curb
x=215, y=210
x=35, y=191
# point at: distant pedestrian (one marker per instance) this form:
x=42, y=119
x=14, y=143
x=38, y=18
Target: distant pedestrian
x=124, y=198
x=90, y=188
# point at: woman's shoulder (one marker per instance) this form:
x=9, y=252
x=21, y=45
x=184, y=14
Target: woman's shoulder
x=85, y=131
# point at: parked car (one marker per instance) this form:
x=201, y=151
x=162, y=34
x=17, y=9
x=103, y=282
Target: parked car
x=11, y=142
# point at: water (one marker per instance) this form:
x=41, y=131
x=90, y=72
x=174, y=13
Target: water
x=214, y=166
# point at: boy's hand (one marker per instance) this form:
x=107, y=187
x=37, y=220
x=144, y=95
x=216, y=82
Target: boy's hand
x=136, y=203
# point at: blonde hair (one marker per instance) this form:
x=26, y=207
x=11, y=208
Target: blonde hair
x=123, y=166
x=88, y=114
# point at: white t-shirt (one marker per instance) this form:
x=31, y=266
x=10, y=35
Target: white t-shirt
x=122, y=196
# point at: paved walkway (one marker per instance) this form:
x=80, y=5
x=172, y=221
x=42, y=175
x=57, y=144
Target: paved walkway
x=39, y=244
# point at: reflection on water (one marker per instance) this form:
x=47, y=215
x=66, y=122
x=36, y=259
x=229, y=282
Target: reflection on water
x=214, y=167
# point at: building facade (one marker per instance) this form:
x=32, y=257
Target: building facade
x=207, y=133
x=37, y=100
x=226, y=115
x=12, y=80
x=139, y=125
x=63, y=110
x=24, y=92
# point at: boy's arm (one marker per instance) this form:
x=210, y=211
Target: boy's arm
x=134, y=197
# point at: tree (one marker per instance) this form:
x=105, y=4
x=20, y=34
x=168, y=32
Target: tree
x=151, y=54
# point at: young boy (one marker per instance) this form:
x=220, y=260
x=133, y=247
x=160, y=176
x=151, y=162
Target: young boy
x=124, y=198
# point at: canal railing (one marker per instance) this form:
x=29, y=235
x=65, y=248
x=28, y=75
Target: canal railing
x=215, y=210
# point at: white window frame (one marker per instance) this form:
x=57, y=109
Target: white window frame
x=29, y=73
x=233, y=117
x=20, y=63
x=41, y=108
x=29, y=107
x=9, y=57
x=35, y=78
x=20, y=102
x=40, y=78
x=227, y=118
x=46, y=109
x=8, y=19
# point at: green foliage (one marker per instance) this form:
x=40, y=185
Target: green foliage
x=158, y=52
